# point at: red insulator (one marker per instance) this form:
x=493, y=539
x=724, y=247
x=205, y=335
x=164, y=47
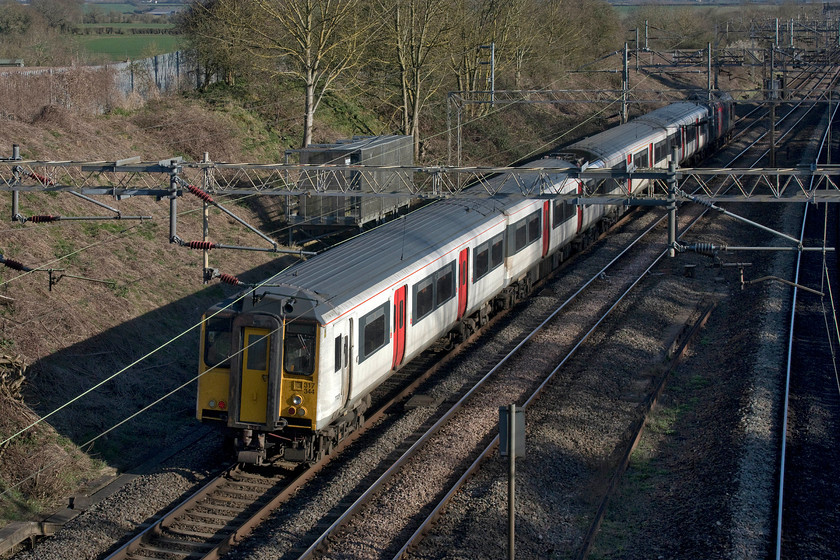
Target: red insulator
x=200, y=194
x=16, y=265
x=43, y=219
x=207, y=245
x=42, y=179
x=229, y=279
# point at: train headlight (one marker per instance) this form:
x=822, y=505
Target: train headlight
x=297, y=400
x=212, y=404
x=301, y=412
x=292, y=411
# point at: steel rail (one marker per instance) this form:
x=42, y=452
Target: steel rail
x=783, y=454
x=411, y=451
x=489, y=449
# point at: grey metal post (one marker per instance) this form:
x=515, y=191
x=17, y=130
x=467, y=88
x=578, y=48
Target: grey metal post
x=511, y=481
x=205, y=231
x=828, y=151
x=709, y=70
x=449, y=128
x=776, y=42
x=791, y=32
x=672, y=203
x=625, y=85
x=15, y=194
x=646, y=34
x=637, y=50
x=773, y=92
x=493, y=74
x=173, y=207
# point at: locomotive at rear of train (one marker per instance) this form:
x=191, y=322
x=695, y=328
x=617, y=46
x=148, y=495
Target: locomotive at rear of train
x=288, y=369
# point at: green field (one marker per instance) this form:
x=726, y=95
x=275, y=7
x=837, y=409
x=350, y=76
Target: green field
x=126, y=26
x=124, y=7
x=134, y=47
x=120, y=7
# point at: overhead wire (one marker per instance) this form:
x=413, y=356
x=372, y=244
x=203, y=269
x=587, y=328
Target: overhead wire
x=160, y=347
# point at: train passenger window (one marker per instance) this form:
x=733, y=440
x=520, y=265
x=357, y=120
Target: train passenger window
x=217, y=341
x=660, y=152
x=337, y=352
x=489, y=256
x=525, y=231
x=299, y=348
x=563, y=212
x=640, y=159
x=481, y=265
x=373, y=331
x=445, y=285
x=534, y=227
x=674, y=139
x=257, y=351
x=424, y=298
x=520, y=236
x=497, y=251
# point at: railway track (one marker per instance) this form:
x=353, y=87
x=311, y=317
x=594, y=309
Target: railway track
x=191, y=528
x=809, y=456
x=193, y=538
x=357, y=541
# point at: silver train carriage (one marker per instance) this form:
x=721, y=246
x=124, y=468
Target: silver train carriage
x=289, y=367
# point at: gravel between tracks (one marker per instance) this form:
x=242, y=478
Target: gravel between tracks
x=573, y=433
x=106, y=523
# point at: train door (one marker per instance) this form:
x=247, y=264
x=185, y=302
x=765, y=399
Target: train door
x=253, y=393
x=546, y=233
x=345, y=341
x=399, y=326
x=463, y=275
x=579, y=208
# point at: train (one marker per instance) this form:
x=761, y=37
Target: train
x=287, y=368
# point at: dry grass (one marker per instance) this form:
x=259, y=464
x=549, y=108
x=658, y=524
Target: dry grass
x=81, y=332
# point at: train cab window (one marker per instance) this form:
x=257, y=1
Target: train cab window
x=299, y=348
x=217, y=341
x=374, y=329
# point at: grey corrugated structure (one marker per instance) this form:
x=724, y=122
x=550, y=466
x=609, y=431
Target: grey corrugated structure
x=319, y=213
x=25, y=91
x=157, y=74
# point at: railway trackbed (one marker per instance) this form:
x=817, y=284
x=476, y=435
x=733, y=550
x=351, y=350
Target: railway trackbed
x=193, y=530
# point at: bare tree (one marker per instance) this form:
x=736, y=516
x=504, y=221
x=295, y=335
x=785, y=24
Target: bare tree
x=478, y=25
x=312, y=42
x=214, y=29
x=418, y=34
x=62, y=14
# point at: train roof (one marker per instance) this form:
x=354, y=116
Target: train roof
x=611, y=144
x=343, y=276
x=379, y=254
